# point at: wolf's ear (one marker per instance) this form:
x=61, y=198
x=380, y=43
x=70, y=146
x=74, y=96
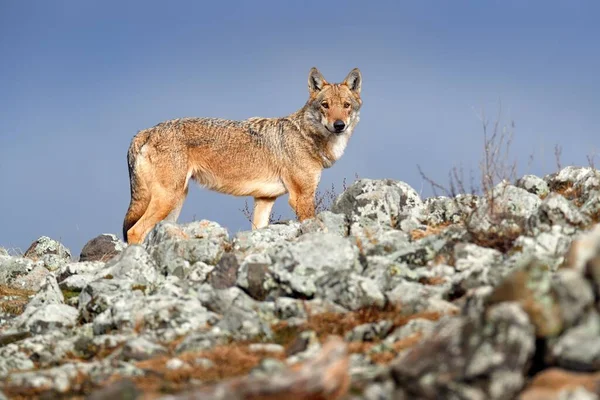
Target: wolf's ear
x=315, y=80
x=354, y=80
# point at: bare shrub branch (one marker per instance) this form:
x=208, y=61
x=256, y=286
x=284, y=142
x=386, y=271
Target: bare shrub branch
x=591, y=158
x=496, y=164
x=557, y=154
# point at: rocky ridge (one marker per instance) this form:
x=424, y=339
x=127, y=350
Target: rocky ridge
x=386, y=296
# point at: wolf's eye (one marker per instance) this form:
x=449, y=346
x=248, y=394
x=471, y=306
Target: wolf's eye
x=325, y=104
x=346, y=105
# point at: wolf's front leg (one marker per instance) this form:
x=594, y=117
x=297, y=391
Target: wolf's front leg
x=303, y=205
x=302, y=188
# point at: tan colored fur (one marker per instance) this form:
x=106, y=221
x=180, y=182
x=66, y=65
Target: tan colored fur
x=259, y=157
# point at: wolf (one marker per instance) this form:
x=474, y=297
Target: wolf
x=259, y=157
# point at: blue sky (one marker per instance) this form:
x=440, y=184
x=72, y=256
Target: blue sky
x=79, y=78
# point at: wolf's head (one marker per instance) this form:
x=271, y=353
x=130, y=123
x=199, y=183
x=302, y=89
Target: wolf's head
x=333, y=108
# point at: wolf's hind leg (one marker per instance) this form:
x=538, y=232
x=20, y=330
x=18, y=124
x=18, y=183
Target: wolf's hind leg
x=162, y=204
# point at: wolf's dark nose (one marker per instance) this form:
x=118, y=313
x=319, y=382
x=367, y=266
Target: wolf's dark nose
x=339, y=125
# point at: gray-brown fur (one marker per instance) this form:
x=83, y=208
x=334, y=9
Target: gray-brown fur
x=259, y=157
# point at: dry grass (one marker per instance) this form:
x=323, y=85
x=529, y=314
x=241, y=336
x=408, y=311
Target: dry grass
x=80, y=385
x=330, y=323
x=16, y=304
x=339, y=324
x=385, y=357
x=235, y=359
x=501, y=241
x=433, y=281
x=429, y=230
x=570, y=192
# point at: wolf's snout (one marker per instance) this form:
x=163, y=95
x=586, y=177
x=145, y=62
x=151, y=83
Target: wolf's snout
x=339, y=125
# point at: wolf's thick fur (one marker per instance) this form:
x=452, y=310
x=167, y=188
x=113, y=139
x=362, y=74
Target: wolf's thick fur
x=259, y=157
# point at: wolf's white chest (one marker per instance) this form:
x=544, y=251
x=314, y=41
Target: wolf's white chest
x=337, y=145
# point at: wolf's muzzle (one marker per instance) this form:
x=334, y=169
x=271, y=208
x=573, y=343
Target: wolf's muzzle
x=339, y=126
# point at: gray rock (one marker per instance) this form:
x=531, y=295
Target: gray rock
x=49, y=293
x=3, y=251
x=591, y=207
x=349, y=290
x=287, y=308
x=203, y=363
x=533, y=184
x=176, y=256
x=46, y=349
x=240, y=314
x=327, y=222
x=165, y=231
x=414, y=326
x=386, y=273
x=202, y=340
x=102, y=248
x=470, y=358
x=102, y=370
x=578, y=393
x=79, y=268
x=374, y=239
x=369, y=332
x=61, y=379
x=50, y=252
x=266, y=348
x=574, y=295
x=12, y=359
x=503, y=214
x=386, y=202
x=162, y=317
x=261, y=240
x=362, y=370
x=580, y=181
x=550, y=247
x=578, y=348
x=176, y=363
x=225, y=273
x=427, y=249
x=99, y=296
x=119, y=389
x=198, y=272
x=76, y=283
x=298, y=265
x=22, y=273
x=267, y=367
x=531, y=286
x=470, y=257
x=584, y=253
x=481, y=267
x=556, y=210
x=310, y=348
x=415, y=297
x=205, y=229
x=444, y=210
x=140, y=348
x=88, y=346
x=133, y=264
x=382, y=391
x=50, y=317
x=254, y=276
